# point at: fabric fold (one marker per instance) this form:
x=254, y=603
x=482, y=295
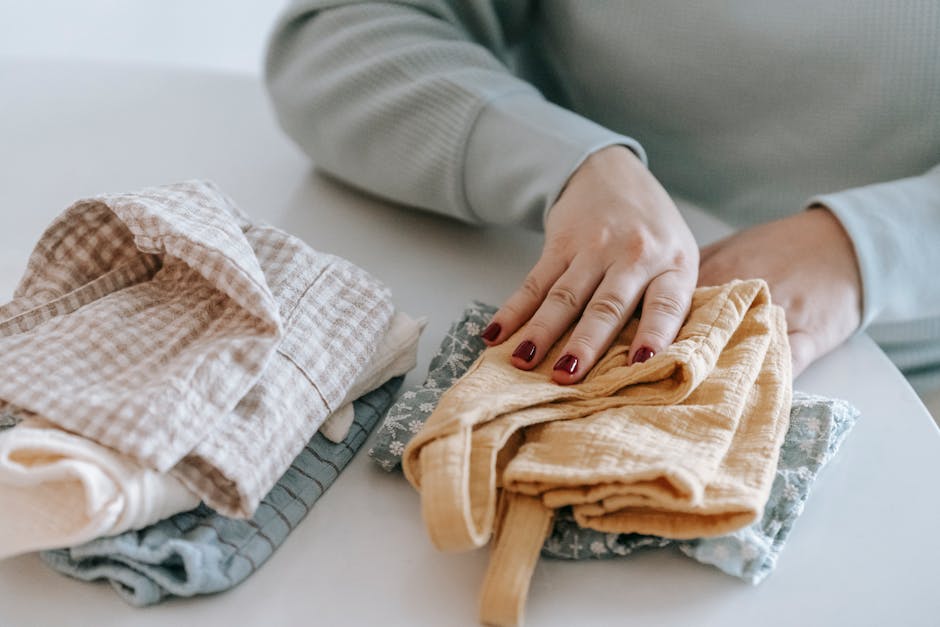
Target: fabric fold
x=397, y=355
x=58, y=489
x=681, y=446
x=167, y=326
x=112, y=271
x=817, y=428
x=200, y=551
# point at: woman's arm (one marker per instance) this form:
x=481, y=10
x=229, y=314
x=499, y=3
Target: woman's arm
x=869, y=254
x=414, y=101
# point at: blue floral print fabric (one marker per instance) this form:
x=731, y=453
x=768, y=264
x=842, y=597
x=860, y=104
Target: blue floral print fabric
x=818, y=425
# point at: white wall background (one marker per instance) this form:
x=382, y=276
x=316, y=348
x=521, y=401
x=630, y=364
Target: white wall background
x=216, y=34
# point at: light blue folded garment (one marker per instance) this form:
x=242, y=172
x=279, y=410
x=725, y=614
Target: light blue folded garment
x=200, y=552
x=818, y=426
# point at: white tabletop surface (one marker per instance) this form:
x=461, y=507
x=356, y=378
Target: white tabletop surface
x=864, y=552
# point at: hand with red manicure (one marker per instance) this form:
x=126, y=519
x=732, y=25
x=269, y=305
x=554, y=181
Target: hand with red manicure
x=613, y=238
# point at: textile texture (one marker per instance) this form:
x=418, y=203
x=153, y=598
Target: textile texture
x=677, y=446
x=483, y=110
x=396, y=355
x=682, y=446
x=201, y=551
x=166, y=325
x=59, y=489
x=817, y=428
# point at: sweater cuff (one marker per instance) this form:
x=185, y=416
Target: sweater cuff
x=520, y=153
x=892, y=226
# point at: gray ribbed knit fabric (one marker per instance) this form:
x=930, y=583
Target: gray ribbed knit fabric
x=481, y=109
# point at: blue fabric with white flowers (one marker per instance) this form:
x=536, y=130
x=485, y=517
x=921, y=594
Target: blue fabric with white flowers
x=818, y=426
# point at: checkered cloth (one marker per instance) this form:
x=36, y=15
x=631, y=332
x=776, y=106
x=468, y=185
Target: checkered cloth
x=201, y=552
x=168, y=326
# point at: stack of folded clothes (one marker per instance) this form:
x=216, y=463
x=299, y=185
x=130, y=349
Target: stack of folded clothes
x=701, y=447
x=165, y=354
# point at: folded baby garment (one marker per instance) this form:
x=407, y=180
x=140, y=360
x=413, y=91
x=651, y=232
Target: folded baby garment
x=459, y=348
x=59, y=489
x=817, y=428
x=682, y=446
x=397, y=354
x=200, y=551
x=167, y=326
x=818, y=425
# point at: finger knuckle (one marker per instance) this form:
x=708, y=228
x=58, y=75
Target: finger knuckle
x=683, y=258
x=513, y=310
x=638, y=244
x=656, y=337
x=581, y=345
x=669, y=305
x=609, y=307
x=532, y=287
x=797, y=305
x=564, y=296
x=559, y=243
x=537, y=328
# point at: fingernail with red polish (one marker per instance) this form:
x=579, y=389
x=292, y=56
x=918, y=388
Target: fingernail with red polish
x=643, y=354
x=491, y=332
x=525, y=351
x=568, y=363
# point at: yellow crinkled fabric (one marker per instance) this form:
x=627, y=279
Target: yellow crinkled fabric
x=682, y=446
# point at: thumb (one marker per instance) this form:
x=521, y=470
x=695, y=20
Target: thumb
x=802, y=351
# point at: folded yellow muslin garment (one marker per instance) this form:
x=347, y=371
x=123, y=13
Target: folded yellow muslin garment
x=682, y=446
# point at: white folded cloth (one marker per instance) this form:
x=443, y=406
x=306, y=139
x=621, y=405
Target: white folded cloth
x=59, y=489
x=397, y=354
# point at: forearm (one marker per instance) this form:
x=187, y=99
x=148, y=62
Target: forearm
x=412, y=102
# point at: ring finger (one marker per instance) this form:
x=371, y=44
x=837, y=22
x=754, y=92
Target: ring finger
x=611, y=306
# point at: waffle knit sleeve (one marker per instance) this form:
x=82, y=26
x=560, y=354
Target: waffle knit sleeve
x=415, y=101
x=895, y=228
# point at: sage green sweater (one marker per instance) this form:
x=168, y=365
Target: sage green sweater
x=752, y=109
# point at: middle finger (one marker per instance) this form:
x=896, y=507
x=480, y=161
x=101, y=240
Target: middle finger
x=562, y=306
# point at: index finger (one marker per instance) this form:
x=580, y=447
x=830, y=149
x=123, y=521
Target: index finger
x=525, y=301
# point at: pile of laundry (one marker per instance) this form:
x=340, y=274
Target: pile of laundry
x=704, y=447
x=179, y=385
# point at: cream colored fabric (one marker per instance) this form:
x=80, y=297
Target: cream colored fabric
x=168, y=326
x=397, y=354
x=59, y=489
x=682, y=446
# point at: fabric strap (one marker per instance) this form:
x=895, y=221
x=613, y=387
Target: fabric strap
x=523, y=527
x=682, y=446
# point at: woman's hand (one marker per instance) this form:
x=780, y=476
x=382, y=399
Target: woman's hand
x=614, y=237
x=809, y=263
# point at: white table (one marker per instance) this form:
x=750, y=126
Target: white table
x=864, y=552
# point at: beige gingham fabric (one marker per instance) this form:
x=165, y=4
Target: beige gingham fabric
x=166, y=325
